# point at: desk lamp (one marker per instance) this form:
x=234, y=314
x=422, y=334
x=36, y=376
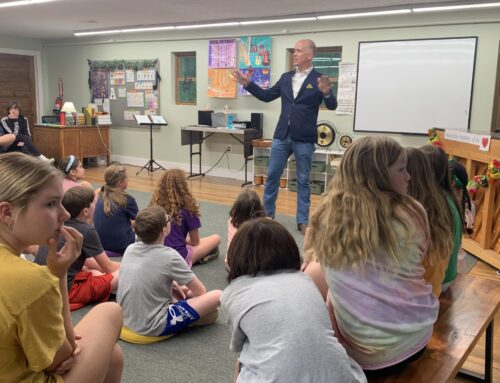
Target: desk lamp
x=67, y=110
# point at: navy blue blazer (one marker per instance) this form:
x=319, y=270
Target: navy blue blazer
x=300, y=115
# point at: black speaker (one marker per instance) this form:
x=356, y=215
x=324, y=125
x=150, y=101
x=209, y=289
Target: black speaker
x=205, y=117
x=257, y=120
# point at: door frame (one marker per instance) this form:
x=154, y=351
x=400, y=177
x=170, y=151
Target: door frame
x=37, y=58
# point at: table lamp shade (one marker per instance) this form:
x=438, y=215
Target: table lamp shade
x=68, y=112
x=68, y=107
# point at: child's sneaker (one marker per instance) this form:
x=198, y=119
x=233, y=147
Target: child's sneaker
x=210, y=256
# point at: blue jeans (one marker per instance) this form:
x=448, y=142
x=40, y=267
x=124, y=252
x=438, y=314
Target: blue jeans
x=280, y=151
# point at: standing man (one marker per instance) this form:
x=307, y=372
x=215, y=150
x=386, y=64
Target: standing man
x=302, y=91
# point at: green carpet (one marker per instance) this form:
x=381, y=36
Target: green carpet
x=200, y=354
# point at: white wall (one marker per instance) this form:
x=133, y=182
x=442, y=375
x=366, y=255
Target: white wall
x=68, y=59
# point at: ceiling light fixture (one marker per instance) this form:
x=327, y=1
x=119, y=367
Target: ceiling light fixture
x=213, y=25
x=23, y=2
x=364, y=14
x=123, y=30
x=456, y=7
x=275, y=21
x=133, y=29
x=146, y=29
x=95, y=33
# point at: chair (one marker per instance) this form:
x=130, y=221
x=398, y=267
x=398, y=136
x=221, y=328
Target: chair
x=50, y=119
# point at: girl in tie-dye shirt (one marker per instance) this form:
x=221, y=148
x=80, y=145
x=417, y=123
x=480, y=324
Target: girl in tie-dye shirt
x=371, y=239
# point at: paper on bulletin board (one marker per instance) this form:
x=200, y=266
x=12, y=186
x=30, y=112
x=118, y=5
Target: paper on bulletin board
x=129, y=75
x=221, y=83
x=150, y=112
x=151, y=99
x=254, y=51
x=222, y=53
x=122, y=92
x=146, y=75
x=100, y=84
x=112, y=94
x=261, y=76
x=128, y=115
x=105, y=105
x=135, y=99
x=141, y=85
x=117, y=77
x=346, y=94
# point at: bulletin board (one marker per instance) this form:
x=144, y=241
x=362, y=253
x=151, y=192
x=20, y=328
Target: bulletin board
x=410, y=86
x=227, y=55
x=125, y=88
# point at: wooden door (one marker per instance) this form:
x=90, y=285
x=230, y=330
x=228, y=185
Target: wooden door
x=495, y=119
x=18, y=83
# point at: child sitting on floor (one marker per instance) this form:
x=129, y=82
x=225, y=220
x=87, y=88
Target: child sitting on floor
x=38, y=342
x=158, y=292
x=247, y=206
x=172, y=193
x=114, y=211
x=74, y=173
x=278, y=321
x=93, y=276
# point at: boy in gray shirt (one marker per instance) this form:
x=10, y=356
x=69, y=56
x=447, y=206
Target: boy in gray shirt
x=158, y=292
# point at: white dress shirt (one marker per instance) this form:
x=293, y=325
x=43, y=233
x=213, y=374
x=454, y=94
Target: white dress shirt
x=298, y=79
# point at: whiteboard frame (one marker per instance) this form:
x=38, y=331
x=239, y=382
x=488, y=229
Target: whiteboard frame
x=475, y=40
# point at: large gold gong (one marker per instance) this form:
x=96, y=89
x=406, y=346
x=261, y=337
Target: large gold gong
x=326, y=134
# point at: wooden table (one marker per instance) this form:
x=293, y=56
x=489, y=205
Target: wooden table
x=83, y=141
x=466, y=312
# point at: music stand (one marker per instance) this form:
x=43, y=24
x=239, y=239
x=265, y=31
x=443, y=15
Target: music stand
x=157, y=121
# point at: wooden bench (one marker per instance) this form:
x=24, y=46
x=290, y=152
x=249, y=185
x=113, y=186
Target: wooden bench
x=467, y=310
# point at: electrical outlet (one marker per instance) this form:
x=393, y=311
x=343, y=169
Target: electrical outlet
x=228, y=149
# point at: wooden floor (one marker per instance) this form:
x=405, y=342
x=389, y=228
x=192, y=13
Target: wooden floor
x=225, y=191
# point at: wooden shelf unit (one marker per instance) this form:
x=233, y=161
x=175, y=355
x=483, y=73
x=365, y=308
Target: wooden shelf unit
x=484, y=242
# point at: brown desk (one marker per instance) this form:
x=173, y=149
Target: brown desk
x=82, y=141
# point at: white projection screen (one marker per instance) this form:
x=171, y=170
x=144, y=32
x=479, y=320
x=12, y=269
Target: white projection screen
x=409, y=86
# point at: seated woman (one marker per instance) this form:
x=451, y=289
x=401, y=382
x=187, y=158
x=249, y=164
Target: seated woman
x=15, y=131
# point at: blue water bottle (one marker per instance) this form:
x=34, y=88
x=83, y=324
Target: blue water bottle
x=230, y=121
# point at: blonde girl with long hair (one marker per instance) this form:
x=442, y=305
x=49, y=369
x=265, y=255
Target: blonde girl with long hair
x=439, y=163
x=37, y=336
x=173, y=194
x=115, y=210
x=425, y=190
x=371, y=238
